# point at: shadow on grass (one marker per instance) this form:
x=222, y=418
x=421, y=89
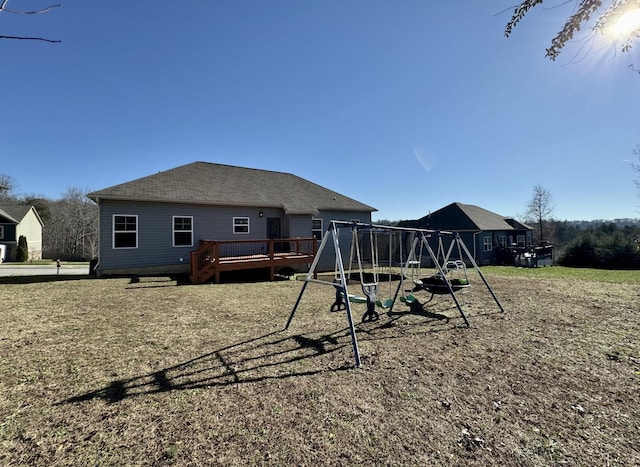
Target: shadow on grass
x=259, y=359
x=44, y=278
x=417, y=308
x=248, y=276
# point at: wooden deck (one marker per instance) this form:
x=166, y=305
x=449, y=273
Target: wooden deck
x=216, y=256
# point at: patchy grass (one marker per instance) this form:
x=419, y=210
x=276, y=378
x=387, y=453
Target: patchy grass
x=568, y=274
x=149, y=372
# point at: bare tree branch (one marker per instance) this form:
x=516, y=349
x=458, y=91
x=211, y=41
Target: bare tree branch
x=35, y=12
x=30, y=39
x=3, y=8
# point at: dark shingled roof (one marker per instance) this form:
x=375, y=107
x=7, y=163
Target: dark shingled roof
x=459, y=217
x=219, y=184
x=14, y=213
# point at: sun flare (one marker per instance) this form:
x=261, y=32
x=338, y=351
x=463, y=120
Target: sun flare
x=626, y=24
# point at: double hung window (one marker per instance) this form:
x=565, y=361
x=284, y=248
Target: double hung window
x=316, y=228
x=182, y=231
x=125, y=231
x=240, y=225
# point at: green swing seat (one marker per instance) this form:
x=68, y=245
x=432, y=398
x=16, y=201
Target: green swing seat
x=408, y=299
x=386, y=304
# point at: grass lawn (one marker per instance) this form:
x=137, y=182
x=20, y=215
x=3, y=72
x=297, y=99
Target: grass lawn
x=152, y=372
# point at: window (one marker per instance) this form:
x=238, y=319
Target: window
x=125, y=231
x=182, y=231
x=502, y=240
x=520, y=239
x=316, y=228
x=240, y=225
x=1, y=231
x=487, y=243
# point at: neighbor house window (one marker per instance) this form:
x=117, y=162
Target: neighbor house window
x=316, y=228
x=240, y=225
x=125, y=231
x=1, y=231
x=520, y=239
x=502, y=240
x=487, y=243
x=182, y=231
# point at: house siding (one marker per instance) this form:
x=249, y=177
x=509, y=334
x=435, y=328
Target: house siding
x=299, y=226
x=155, y=232
x=328, y=259
x=31, y=228
x=155, y=251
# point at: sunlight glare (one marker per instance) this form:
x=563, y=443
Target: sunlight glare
x=626, y=24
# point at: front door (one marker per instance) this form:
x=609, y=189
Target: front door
x=273, y=231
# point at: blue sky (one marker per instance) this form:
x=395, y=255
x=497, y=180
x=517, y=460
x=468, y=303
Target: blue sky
x=404, y=105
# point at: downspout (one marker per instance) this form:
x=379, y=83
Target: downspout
x=94, y=272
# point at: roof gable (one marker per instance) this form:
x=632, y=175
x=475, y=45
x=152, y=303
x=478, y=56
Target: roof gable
x=16, y=213
x=219, y=184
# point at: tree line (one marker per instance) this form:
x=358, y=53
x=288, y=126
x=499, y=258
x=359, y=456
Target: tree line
x=596, y=244
x=602, y=245
x=70, y=230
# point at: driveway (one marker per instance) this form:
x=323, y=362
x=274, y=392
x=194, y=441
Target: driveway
x=12, y=269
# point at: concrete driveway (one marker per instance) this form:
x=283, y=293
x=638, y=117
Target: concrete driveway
x=13, y=269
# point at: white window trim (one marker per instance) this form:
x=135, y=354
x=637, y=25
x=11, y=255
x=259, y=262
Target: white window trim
x=242, y=225
x=485, y=243
x=521, y=240
x=113, y=232
x=173, y=231
x=320, y=230
x=502, y=240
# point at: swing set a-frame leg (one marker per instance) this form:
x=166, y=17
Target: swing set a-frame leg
x=341, y=288
x=446, y=281
x=475, y=266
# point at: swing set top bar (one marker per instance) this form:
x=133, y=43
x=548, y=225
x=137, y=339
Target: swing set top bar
x=365, y=226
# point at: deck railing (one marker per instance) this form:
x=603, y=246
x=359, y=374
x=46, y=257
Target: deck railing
x=215, y=256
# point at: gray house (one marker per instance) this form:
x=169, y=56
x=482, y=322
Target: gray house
x=487, y=235
x=201, y=211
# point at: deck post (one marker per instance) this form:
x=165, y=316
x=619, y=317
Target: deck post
x=216, y=255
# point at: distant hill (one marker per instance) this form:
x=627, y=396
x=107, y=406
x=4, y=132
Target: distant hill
x=626, y=222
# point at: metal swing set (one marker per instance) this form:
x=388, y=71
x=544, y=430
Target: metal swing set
x=450, y=274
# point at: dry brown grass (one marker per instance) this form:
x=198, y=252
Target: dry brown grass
x=115, y=372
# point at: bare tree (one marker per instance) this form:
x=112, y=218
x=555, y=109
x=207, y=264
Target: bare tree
x=539, y=211
x=3, y=8
x=73, y=228
x=7, y=186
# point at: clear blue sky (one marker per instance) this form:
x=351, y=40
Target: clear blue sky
x=404, y=105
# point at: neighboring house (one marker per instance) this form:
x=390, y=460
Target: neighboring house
x=152, y=224
x=487, y=235
x=17, y=220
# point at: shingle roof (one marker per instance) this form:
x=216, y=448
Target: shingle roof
x=483, y=219
x=14, y=213
x=219, y=184
x=459, y=217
